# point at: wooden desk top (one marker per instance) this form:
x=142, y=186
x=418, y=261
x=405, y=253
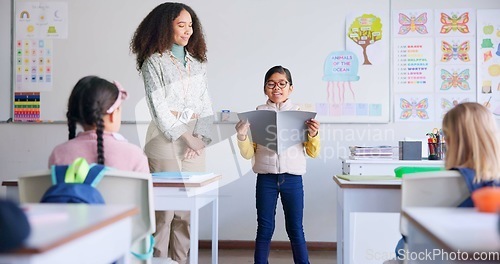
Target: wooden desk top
x=388, y=184
x=53, y=225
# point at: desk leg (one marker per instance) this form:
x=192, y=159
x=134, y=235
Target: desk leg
x=340, y=227
x=215, y=230
x=193, y=251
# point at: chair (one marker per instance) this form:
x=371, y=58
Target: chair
x=116, y=187
x=432, y=189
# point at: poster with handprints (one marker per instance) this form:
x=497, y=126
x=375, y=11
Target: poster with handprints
x=446, y=102
x=455, y=22
x=414, y=107
x=455, y=50
x=413, y=23
x=455, y=79
x=488, y=59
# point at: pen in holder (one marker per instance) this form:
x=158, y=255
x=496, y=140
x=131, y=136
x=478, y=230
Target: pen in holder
x=436, y=144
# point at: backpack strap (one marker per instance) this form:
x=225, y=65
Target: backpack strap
x=95, y=174
x=149, y=253
x=78, y=172
x=58, y=172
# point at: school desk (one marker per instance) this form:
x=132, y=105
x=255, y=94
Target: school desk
x=176, y=194
x=75, y=233
x=438, y=234
x=382, y=166
x=191, y=195
x=367, y=220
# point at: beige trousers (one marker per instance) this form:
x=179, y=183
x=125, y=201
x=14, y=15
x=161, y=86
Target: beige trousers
x=172, y=227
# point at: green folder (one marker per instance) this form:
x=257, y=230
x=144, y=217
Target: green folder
x=399, y=171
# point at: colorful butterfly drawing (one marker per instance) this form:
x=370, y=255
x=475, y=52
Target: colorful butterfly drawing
x=454, y=23
x=454, y=51
x=413, y=109
x=455, y=79
x=412, y=24
x=446, y=105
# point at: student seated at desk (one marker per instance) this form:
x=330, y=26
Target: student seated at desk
x=95, y=104
x=472, y=147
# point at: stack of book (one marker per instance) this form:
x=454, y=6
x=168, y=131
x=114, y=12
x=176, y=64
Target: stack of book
x=373, y=152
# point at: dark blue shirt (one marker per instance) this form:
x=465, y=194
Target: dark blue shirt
x=469, y=175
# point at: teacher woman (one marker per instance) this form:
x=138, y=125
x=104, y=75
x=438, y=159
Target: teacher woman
x=170, y=52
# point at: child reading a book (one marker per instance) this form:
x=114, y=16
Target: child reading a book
x=95, y=104
x=279, y=174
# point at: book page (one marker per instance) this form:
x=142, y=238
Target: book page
x=277, y=130
x=292, y=128
x=262, y=127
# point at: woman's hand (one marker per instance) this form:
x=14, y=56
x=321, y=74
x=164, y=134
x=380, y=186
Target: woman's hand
x=192, y=141
x=191, y=153
x=312, y=127
x=242, y=129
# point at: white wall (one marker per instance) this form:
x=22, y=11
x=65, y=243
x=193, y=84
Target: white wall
x=26, y=147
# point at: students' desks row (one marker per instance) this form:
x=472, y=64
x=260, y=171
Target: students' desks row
x=186, y=195
x=373, y=239
x=75, y=233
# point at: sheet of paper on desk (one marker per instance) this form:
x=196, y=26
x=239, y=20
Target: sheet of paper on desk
x=179, y=175
x=277, y=130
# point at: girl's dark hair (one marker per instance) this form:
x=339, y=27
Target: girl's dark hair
x=279, y=69
x=155, y=33
x=90, y=99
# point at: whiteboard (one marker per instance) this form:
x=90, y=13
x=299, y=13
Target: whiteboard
x=244, y=39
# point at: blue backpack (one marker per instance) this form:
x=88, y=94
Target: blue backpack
x=75, y=183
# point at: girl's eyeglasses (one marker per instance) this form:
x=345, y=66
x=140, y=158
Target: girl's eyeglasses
x=273, y=84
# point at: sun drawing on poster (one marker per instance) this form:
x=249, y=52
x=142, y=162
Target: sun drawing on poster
x=455, y=79
x=454, y=23
x=414, y=109
x=455, y=51
x=412, y=24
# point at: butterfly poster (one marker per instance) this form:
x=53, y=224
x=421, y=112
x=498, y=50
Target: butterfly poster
x=413, y=23
x=455, y=79
x=414, y=107
x=455, y=22
x=455, y=50
x=446, y=102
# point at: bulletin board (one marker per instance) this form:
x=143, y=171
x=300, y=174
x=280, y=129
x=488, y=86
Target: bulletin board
x=244, y=41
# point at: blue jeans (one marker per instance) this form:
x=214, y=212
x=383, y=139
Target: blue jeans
x=269, y=187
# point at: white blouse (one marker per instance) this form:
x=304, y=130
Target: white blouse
x=171, y=86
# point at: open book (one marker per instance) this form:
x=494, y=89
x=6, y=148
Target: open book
x=277, y=130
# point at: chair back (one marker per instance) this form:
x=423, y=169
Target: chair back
x=432, y=189
x=116, y=187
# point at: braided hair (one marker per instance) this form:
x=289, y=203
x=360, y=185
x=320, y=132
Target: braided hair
x=90, y=99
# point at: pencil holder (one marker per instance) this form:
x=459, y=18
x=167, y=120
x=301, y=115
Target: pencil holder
x=436, y=151
x=433, y=151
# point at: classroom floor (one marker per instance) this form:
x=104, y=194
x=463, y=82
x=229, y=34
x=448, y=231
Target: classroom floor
x=241, y=256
